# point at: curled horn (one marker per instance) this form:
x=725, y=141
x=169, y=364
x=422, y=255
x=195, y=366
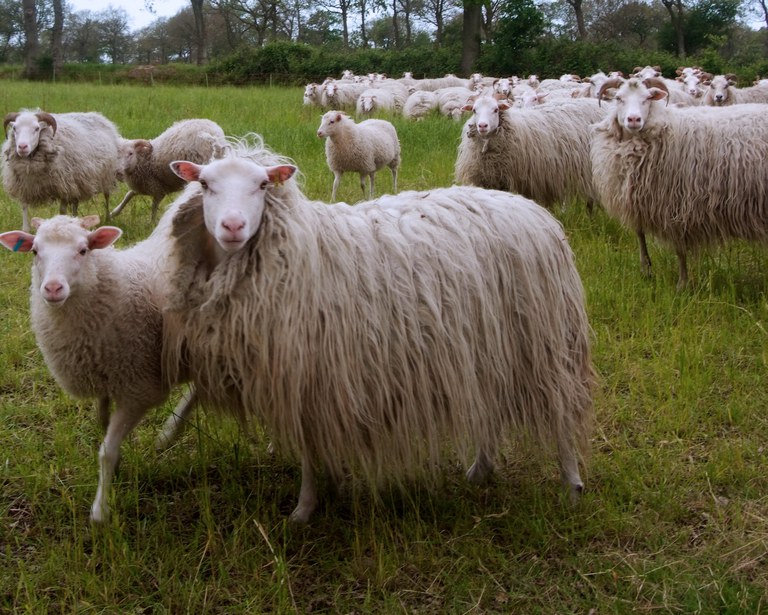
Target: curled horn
x=10, y=117
x=657, y=82
x=614, y=82
x=47, y=118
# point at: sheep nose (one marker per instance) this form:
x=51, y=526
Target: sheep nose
x=233, y=226
x=482, y=126
x=22, y=148
x=634, y=121
x=53, y=291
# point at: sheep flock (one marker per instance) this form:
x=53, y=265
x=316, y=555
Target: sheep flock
x=361, y=338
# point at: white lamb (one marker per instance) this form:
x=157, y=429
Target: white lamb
x=144, y=165
x=65, y=157
x=97, y=317
x=362, y=148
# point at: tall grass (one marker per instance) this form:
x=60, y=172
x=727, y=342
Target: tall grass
x=675, y=517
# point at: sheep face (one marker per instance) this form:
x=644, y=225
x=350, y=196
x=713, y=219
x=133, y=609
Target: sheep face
x=692, y=84
x=310, y=93
x=329, y=123
x=62, y=247
x=130, y=154
x=633, y=103
x=720, y=89
x=485, y=112
x=234, y=193
x=26, y=128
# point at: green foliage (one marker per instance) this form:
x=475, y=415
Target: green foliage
x=520, y=27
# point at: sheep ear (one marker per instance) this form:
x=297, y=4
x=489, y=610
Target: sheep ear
x=89, y=221
x=103, y=237
x=657, y=94
x=188, y=171
x=17, y=241
x=142, y=145
x=36, y=222
x=503, y=105
x=277, y=175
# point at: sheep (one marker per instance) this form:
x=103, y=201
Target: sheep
x=97, y=317
x=363, y=148
x=542, y=153
x=722, y=91
x=420, y=104
x=65, y=157
x=336, y=95
x=144, y=164
x=451, y=101
x=312, y=95
x=691, y=176
x=375, y=99
x=362, y=337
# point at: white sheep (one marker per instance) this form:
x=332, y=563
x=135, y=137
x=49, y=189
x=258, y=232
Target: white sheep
x=337, y=95
x=97, y=317
x=65, y=157
x=451, y=101
x=345, y=329
x=375, y=99
x=420, y=104
x=362, y=148
x=691, y=176
x=144, y=164
x=722, y=91
x=542, y=153
x=312, y=95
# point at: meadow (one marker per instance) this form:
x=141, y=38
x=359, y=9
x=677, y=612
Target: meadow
x=674, y=518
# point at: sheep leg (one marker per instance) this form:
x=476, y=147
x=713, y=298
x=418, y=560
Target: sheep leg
x=682, y=269
x=569, y=471
x=178, y=420
x=307, y=493
x=126, y=199
x=394, y=180
x=482, y=466
x=103, y=412
x=372, y=177
x=121, y=424
x=336, y=182
x=155, y=206
x=25, y=218
x=645, y=259
x=363, y=182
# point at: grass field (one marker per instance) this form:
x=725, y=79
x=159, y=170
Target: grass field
x=674, y=518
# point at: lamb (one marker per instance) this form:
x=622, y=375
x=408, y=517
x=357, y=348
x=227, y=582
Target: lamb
x=363, y=148
x=345, y=329
x=657, y=170
x=97, y=317
x=420, y=104
x=541, y=153
x=722, y=91
x=144, y=165
x=65, y=157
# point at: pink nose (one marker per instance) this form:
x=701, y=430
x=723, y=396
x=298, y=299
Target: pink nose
x=482, y=126
x=233, y=226
x=22, y=148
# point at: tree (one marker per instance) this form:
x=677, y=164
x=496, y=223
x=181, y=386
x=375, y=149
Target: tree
x=438, y=13
x=114, y=40
x=676, y=9
x=57, y=37
x=521, y=25
x=31, y=39
x=578, y=11
x=200, y=37
x=470, y=34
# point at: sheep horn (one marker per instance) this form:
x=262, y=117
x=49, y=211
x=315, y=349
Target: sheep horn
x=48, y=119
x=10, y=117
x=615, y=82
x=657, y=82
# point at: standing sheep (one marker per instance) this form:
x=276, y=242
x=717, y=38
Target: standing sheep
x=541, y=153
x=362, y=148
x=693, y=176
x=144, y=165
x=346, y=329
x=97, y=317
x=721, y=91
x=65, y=157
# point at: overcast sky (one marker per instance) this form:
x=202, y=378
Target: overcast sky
x=138, y=16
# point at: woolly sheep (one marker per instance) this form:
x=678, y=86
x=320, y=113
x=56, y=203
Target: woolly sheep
x=143, y=164
x=451, y=101
x=722, y=91
x=692, y=176
x=351, y=345
x=97, y=317
x=312, y=94
x=336, y=95
x=363, y=148
x=542, y=153
x=65, y=157
x=420, y=104
x=375, y=99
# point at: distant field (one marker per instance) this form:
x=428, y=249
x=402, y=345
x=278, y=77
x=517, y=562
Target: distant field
x=674, y=518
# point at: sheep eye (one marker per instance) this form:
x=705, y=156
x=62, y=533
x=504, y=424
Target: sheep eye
x=83, y=252
x=264, y=184
x=34, y=251
x=204, y=184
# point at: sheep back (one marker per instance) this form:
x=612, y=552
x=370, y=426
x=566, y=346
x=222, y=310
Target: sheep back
x=365, y=335
x=364, y=147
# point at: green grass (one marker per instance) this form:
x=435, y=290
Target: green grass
x=675, y=517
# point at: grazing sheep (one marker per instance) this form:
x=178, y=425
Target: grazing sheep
x=337, y=95
x=362, y=148
x=542, y=153
x=692, y=176
x=420, y=104
x=65, y=157
x=143, y=165
x=375, y=99
x=97, y=317
x=364, y=337
x=722, y=92
x=451, y=101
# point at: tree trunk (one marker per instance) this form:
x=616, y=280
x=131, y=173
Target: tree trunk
x=202, y=43
x=470, y=35
x=57, y=37
x=31, y=39
x=675, y=10
x=578, y=11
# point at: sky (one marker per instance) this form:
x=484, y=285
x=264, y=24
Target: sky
x=138, y=16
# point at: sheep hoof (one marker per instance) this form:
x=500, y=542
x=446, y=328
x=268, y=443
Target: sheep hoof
x=478, y=473
x=301, y=515
x=99, y=514
x=575, y=492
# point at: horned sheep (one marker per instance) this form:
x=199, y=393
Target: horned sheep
x=657, y=172
x=65, y=157
x=343, y=329
x=363, y=148
x=144, y=164
x=541, y=153
x=97, y=317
